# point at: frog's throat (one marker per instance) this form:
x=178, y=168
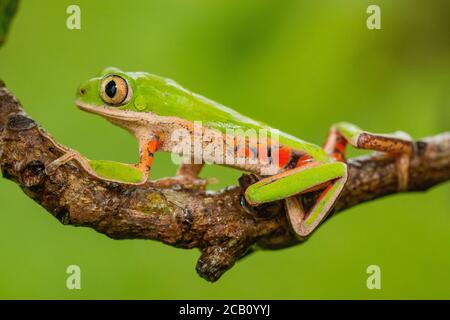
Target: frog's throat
x=136, y=123
x=111, y=113
x=139, y=124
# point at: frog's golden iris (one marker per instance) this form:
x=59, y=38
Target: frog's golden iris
x=114, y=90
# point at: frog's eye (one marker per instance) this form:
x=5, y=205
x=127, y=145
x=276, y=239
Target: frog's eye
x=115, y=90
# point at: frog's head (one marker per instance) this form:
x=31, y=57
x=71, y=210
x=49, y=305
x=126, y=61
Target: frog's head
x=122, y=97
x=113, y=89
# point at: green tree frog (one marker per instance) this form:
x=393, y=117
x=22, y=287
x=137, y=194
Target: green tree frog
x=153, y=108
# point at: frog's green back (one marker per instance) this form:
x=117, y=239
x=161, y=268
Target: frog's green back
x=168, y=98
x=165, y=97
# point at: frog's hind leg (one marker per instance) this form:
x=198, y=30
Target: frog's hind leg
x=398, y=144
x=188, y=174
x=304, y=223
x=190, y=170
x=330, y=177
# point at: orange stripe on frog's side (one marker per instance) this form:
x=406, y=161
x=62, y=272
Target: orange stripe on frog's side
x=303, y=160
x=284, y=156
x=246, y=149
x=287, y=158
x=339, y=148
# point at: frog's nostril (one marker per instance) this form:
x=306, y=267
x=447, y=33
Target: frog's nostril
x=82, y=91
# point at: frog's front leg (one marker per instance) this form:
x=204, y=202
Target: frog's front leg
x=398, y=144
x=67, y=156
x=187, y=175
x=147, y=149
x=106, y=170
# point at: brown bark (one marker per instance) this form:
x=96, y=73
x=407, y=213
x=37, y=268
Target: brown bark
x=216, y=223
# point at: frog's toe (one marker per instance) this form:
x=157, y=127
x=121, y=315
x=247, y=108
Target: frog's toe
x=51, y=168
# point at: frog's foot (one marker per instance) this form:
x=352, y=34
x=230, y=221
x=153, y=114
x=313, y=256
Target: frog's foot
x=101, y=169
x=187, y=182
x=70, y=155
x=398, y=144
x=187, y=177
x=403, y=159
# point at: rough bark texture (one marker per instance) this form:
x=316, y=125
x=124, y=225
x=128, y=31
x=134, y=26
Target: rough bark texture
x=216, y=223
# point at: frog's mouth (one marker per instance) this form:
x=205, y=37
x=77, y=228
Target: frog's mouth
x=133, y=122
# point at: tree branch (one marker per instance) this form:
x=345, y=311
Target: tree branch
x=216, y=223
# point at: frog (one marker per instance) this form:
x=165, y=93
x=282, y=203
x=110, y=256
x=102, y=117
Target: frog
x=153, y=108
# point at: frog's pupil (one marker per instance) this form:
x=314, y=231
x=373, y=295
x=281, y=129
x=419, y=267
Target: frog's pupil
x=111, y=89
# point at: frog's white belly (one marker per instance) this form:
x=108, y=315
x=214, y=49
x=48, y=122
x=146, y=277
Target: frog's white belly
x=194, y=142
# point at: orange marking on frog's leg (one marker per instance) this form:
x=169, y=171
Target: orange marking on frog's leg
x=146, y=156
x=335, y=145
x=324, y=192
x=298, y=160
x=398, y=145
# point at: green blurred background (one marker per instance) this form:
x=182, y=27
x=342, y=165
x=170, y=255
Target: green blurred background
x=298, y=65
